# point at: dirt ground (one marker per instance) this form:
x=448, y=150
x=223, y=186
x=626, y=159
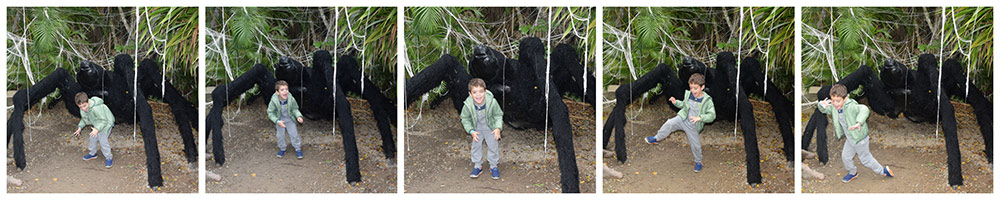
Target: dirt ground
x=252, y=167
x=916, y=156
x=55, y=164
x=437, y=155
x=667, y=167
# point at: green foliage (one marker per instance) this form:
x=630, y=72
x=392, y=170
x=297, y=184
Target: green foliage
x=241, y=37
x=435, y=31
x=62, y=37
x=645, y=37
x=843, y=39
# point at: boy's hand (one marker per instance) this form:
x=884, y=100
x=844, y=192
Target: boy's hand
x=281, y=124
x=475, y=136
x=855, y=127
x=694, y=119
x=673, y=100
x=300, y=120
x=825, y=102
x=93, y=132
x=77, y=132
x=496, y=134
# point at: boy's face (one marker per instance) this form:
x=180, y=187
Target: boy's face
x=85, y=106
x=478, y=94
x=838, y=102
x=283, y=92
x=696, y=89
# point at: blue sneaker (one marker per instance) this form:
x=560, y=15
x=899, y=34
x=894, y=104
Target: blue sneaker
x=697, y=167
x=849, y=177
x=652, y=140
x=495, y=173
x=888, y=172
x=107, y=163
x=281, y=153
x=298, y=154
x=476, y=172
x=89, y=157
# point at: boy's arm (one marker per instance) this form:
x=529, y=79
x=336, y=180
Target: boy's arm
x=295, y=112
x=272, y=112
x=862, y=113
x=823, y=109
x=467, y=120
x=709, y=115
x=83, y=120
x=497, y=116
x=680, y=104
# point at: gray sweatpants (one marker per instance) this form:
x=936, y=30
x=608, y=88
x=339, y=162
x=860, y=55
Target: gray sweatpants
x=861, y=150
x=293, y=134
x=492, y=153
x=676, y=124
x=102, y=138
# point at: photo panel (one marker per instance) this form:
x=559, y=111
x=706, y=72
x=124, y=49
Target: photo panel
x=700, y=99
x=504, y=130
x=114, y=86
x=302, y=99
x=894, y=66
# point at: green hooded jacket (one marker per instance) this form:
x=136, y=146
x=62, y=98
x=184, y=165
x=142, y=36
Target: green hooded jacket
x=854, y=113
x=494, y=115
x=707, y=111
x=274, y=108
x=99, y=116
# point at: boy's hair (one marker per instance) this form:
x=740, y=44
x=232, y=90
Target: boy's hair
x=277, y=85
x=697, y=78
x=838, y=90
x=476, y=82
x=81, y=97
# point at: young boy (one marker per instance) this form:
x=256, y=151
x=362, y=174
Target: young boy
x=93, y=112
x=282, y=109
x=849, y=119
x=481, y=116
x=696, y=110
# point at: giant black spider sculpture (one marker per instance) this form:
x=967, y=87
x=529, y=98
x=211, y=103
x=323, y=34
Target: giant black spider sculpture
x=523, y=96
x=915, y=94
x=126, y=103
x=314, y=88
x=721, y=85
